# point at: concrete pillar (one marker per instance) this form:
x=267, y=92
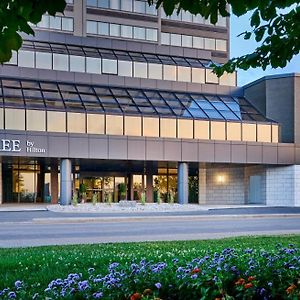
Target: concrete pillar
x=54, y=183
x=1, y=184
x=65, y=181
x=183, y=183
x=149, y=187
x=202, y=184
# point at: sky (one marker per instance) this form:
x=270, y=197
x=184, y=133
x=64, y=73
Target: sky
x=239, y=46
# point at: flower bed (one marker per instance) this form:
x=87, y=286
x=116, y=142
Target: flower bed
x=227, y=274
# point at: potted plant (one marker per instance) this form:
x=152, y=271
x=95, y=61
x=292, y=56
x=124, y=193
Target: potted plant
x=122, y=191
x=82, y=192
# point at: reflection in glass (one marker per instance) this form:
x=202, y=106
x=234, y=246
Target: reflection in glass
x=103, y=28
x=151, y=34
x=175, y=39
x=56, y=121
x=91, y=27
x=126, y=31
x=211, y=77
x=139, y=33
x=36, y=120
x=95, y=124
x=114, y=29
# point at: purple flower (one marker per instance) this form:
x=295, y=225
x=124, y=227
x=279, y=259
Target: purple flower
x=98, y=295
x=12, y=295
x=18, y=284
x=158, y=285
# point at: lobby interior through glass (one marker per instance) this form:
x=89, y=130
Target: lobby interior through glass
x=29, y=181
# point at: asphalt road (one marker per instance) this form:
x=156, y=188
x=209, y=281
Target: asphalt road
x=52, y=229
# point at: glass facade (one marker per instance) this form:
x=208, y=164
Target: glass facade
x=122, y=63
x=64, y=107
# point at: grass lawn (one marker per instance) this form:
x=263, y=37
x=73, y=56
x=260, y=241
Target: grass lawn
x=40, y=265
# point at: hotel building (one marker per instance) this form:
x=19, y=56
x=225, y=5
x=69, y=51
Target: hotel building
x=115, y=93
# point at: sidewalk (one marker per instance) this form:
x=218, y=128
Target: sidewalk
x=101, y=208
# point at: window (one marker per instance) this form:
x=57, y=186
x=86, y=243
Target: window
x=264, y=133
x=155, y=71
x=249, y=132
x=77, y=63
x=169, y=72
x=125, y=68
x=60, y=62
x=184, y=74
x=76, y=122
x=198, y=42
x=126, y=5
x=133, y=126
x=91, y=27
x=92, y=3
x=198, y=75
x=103, y=3
x=140, y=6
x=168, y=128
x=114, y=125
x=26, y=59
x=187, y=41
x=217, y=130
x=139, y=33
x=126, y=31
x=115, y=4
x=201, y=129
x=109, y=66
x=14, y=119
x=55, y=22
x=234, y=131
x=175, y=39
x=140, y=69
x=211, y=77
x=221, y=45
x=185, y=129
x=209, y=44
x=93, y=65
x=36, y=120
x=151, y=127
x=43, y=60
x=228, y=79
x=114, y=29
x=56, y=121
x=165, y=38
x=275, y=134
x=95, y=124
x=103, y=28
x=151, y=34
x=44, y=22
x=67, y=24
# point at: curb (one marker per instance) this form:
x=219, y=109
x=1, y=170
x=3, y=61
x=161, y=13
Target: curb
x=155, y=218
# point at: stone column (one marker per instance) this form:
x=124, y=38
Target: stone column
x=183, y=183
x=54, y=183
x=202, y=184
x=65, y=181
x=149, y=187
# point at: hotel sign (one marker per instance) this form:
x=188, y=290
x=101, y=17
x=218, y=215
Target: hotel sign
x=10, y=145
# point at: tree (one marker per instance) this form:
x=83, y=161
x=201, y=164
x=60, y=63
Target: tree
x=275, y=24
x=17, y=16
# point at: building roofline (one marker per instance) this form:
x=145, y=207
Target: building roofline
x=269, y=77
